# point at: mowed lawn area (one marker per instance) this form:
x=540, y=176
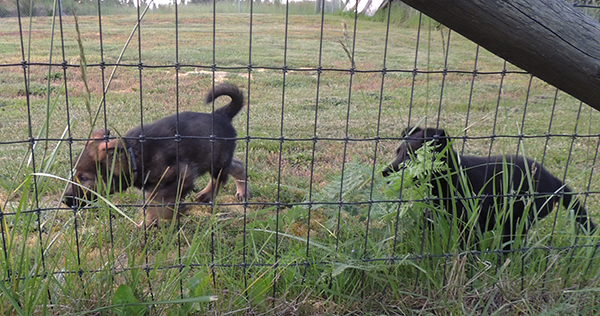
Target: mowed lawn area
x=328, y=97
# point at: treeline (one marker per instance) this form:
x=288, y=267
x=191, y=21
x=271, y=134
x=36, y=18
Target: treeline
x=11, y=8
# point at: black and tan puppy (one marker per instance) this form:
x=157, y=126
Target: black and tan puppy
x=162, y=163
x=486, y=178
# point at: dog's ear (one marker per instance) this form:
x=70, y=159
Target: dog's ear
x=411, y=130
x=104, y=147
x=97, y=135
x=97, y=147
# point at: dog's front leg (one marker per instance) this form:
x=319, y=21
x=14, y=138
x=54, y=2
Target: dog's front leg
x=207, y=194
x=160, y=205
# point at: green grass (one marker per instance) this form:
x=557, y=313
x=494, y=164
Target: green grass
x=59, y=262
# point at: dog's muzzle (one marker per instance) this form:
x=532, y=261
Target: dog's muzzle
x=70, y=201
x=391, y=169
x=75, y=200
x=386, y=172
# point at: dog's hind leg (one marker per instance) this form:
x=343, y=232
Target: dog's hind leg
x=212, y=188
x=581, y=215
x=238, y=172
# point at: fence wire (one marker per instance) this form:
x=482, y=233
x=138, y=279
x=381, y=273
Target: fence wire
x=302, y=148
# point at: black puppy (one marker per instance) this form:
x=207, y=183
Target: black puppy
x=163, y=164
x=485, y=178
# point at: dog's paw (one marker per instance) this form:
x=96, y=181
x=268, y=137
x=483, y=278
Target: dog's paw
x=241, y=195
x=143, y=224
x=204, y=197
x=242, y=190
x=148, y=223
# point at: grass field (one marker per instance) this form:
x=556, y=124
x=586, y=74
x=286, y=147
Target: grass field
x=317, y=236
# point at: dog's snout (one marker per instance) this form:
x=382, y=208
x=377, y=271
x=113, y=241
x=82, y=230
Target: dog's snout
x=386, y=172
x=70, y=197
x=70, y=201
x=394, y=167
x=397, y=164
x=73, y=199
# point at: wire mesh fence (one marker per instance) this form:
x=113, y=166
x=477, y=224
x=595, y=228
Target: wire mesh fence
x=327, y=98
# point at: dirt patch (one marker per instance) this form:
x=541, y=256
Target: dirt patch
x=219, y=75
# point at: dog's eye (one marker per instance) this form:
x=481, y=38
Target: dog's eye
x=82, y=178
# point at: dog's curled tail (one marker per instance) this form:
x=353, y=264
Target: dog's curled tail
x=237, y=99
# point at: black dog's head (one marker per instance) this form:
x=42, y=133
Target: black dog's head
x=414, y=138
x=99, y=161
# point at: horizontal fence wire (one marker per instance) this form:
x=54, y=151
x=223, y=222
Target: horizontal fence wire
x=310, y=165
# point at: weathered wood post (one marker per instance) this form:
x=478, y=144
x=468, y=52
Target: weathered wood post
x=548, y=38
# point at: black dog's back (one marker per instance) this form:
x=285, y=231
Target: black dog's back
x=206, y=141
x=491, y=182
x=527, y=183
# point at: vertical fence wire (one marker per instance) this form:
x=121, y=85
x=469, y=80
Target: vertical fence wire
x=102, y=106
x=415, y=72
x=146, y=200
x=306, y=264
x=584, y=204
x=346, y=139
x=284, y=73
x=212, y=129
x=80, y=271
x=37, y=210
x=377, y=133
x=519, y=145
x=178, y=135
x=247, y=139
x=564, y=179
x=587, y=194
x=437, y=126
